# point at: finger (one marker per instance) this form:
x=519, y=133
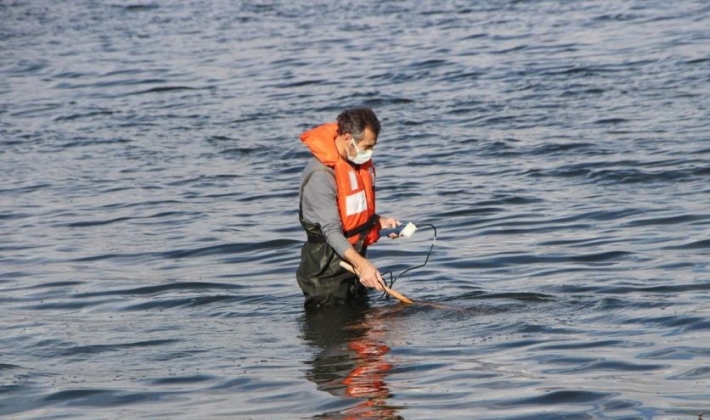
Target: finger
x=370, y=282
x=381, y=281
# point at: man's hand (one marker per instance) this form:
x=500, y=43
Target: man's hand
x=369, y=275
x=389, y=222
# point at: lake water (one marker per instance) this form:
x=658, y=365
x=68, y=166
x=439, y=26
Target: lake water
x=149, y=167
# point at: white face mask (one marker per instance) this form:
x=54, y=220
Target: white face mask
x=361, y=156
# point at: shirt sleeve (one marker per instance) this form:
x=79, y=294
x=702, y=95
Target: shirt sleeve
x=320, y=205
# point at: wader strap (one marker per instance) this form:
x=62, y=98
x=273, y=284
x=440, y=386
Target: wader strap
x=312, y=237
x=315, y=239
x=303, y=185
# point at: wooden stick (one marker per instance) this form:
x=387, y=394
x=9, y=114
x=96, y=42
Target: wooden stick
x=395, y=294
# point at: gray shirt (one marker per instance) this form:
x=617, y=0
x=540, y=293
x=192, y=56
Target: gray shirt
x=319, y=204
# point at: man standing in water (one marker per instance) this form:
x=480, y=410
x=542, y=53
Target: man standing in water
x=337, y=210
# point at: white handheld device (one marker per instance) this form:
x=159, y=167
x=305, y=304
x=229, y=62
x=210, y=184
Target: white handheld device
x=405, y=229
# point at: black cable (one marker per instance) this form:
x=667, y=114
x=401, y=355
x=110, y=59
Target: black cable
x=392, y=280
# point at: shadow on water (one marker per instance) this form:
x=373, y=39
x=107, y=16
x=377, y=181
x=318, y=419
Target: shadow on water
x=350, y=360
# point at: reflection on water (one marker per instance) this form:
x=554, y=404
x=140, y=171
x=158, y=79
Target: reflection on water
x=350, y=360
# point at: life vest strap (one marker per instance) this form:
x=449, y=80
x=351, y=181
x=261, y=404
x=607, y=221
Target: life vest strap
x=364, y=228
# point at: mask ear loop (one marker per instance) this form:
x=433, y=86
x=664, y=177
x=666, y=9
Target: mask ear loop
x=352, y=141
x=385, y=296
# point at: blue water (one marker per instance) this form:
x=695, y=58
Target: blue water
x=149, y=166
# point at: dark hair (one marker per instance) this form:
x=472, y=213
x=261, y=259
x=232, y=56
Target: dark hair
x=355, y=120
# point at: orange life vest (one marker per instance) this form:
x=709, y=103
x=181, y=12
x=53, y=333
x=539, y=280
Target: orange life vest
x=355, y=185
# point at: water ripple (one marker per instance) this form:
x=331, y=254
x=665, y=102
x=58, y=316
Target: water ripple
x=149, y=209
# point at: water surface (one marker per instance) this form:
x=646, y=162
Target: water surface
x=149, y=166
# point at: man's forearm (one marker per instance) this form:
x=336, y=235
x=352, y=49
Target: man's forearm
x=354, y=258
